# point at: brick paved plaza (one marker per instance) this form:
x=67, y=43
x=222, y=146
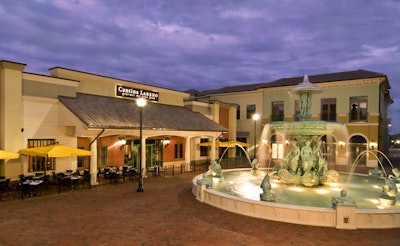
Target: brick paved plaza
x=165, y=214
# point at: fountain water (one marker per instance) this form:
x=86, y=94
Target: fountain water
x=301, y=189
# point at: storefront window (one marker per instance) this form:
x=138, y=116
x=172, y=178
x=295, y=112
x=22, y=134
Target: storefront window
x=38, y=163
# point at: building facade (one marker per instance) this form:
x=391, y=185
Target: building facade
x=358, y=99
x=96, y=113
x=99, y=113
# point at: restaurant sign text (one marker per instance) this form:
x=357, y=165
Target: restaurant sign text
x=124, y=91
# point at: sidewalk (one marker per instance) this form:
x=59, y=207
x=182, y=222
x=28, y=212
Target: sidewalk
x=166, y=213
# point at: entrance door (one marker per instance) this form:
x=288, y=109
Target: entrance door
x=358, y=144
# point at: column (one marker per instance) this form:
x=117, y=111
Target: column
x=187, y=154
x=93, y=164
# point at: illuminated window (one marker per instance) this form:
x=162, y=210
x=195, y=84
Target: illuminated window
x=37, y=163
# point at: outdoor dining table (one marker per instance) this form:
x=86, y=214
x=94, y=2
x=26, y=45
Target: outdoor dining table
x=74, y=179
x=31, y=186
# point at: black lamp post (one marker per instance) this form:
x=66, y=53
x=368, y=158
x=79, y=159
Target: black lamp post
x=255, y=118
x=140, y=102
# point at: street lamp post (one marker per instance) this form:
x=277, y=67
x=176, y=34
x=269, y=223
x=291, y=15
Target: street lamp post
x=255, y=118
x=140, y=102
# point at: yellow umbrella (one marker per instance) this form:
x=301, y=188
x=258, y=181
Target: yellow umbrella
x=56, y=150
x=230, y=143
x=8, y=155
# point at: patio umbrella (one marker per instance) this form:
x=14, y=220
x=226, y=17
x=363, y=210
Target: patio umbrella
x=56, y=150
x=8, y=155
x=230, y=143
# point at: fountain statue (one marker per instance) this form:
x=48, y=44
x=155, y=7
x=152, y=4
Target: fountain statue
x=343, y=200
x=304, y=162
x=389, y=191
x=216, y=171
x=267, y=195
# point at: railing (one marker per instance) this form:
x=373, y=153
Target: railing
x=277, y=117
x=358, y=116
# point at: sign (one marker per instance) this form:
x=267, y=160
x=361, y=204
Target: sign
x=129, y=92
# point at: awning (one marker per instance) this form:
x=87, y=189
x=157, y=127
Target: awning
x=8, y=155
x=242, y=134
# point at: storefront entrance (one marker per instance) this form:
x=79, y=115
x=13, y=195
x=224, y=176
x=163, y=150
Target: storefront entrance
x=154, y=153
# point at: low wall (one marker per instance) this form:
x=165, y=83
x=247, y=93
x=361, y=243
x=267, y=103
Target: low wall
x=341, y=217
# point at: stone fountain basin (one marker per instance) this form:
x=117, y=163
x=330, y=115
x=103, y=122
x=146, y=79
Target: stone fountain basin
x=340, y=217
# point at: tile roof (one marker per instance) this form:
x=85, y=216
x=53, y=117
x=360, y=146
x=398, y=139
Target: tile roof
x=319, y=78
x=117, y=113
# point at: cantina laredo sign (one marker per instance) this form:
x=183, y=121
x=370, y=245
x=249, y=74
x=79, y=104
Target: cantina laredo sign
x=123, y=91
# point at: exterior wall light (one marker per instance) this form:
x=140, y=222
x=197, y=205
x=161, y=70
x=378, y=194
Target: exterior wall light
x=167, y=142
x=123, y=143
x=373, y=145
x=341, y=144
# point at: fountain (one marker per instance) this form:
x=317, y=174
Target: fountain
x=301, y=189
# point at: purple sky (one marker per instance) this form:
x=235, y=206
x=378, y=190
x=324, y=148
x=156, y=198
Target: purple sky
x=197, y=44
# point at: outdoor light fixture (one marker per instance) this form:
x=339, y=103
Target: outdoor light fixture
x=341, y=144
x=140, y=102
x=123, y=143
x=373, y=145
x=255, y=118
x=167, y=142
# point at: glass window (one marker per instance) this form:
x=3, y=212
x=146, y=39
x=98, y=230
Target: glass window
x=250, y=110
x=238, y=112
x=277, y=111
x=37, y=163
x=80, y=159
x=178, y=149
x=103, y=155
x=203, y=149
x=328, y=109
x=358, y=108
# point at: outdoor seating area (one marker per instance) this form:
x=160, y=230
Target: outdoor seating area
x=51, y=183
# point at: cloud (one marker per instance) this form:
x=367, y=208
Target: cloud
x=204, y=44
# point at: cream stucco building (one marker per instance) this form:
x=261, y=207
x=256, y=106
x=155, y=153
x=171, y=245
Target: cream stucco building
x=99, y=113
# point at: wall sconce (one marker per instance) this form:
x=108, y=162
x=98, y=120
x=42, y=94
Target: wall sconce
x=341, y=144
x=373, y=145
x=287, y=142
x=166, y=142
x=123, y=143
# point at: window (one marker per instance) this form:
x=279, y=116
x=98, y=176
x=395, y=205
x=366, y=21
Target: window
x=358, y=108
x=238, y=112
x=203, y=149
x=103, y=155
x=328, y=109
x=80, y=159
x=250, y=110
x=277, y=148
x=277, y=111
x=37, y=163
x=178, y=151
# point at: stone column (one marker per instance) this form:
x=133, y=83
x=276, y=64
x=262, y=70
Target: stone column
x=187, y=154
x=93, y=164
